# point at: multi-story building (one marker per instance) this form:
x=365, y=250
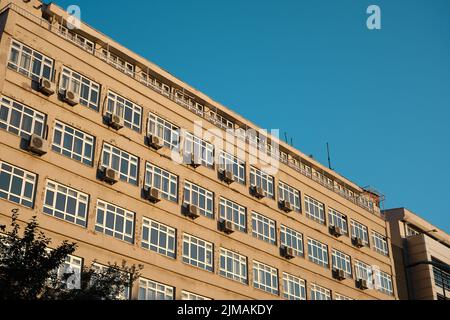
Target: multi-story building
x=102, y=145
x=421, y=254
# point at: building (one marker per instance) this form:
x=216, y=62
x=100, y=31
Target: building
x=89, y=136
x=421, y=254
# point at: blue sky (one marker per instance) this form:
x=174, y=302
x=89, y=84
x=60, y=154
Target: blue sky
x=312, y=69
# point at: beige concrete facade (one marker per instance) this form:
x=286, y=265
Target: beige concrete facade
x=415, y=241
x=23, y=22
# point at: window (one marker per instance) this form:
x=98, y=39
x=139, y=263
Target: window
x=162, y=180
x=125, y=289
x=115, y=221
x=29, y=62
x=152, y=290
x=363, y=272
x=130, y=113
x=167, y=131
x=76, y=39
x=200, y=197
x=318, y=252
x=337, y=219
x=233, y=212
x=263, y=180
x=441, y=277
x=341, y=261
x=320, y=293
x=121, y=161
x=66, y=203
x=359, y=231
x=230, y=163
x=411, y=231
x=383, y=282
x=294, y=287
x=20, y=119
x=263, y=228
x=288, y=193
x=73, y=143
x=17, y=185
x=73, y=265
x=203, y=151
x=186, y=295
x=380, y=243
x=314, y=209
x=233, y=266
x=198, y=252
x=158, y=237
x=338, y=296
x=117, y=62
x=265, y=277
x=86, y=89
x=292, y=239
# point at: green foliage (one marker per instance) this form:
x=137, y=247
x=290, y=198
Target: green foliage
x=28, y=269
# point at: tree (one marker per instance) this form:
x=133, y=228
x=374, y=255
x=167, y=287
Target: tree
x=29, y=269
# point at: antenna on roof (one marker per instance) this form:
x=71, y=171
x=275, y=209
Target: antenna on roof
x=329, y=158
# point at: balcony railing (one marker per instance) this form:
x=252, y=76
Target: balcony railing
x=185, y=101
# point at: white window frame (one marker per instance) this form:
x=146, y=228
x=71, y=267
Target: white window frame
x=261, y=179
x=71, y=264
x=341, y=261
x=289, y=193
x=118, y=213
x=78, y=40
x=78, y=84
x=360, y=231
x=186, y=295
x=200, y=197
x=261, y=224
x=319, y=248
x=167, y=131
x=126, y=293
x=164, y=234
x=121, y=155
x=118, y=63
x=116, y=104
x=314, y=209
x=292, y=239
x=159, y=290
x=202, y=150
x=27, y=180
x=238, y=263
x=25, y=52
x=59, y=191
x=231, y=163
x=263, y=272
x=79, y=137
x=383, y=282
x=294, y=288
x=38, y=119
x=192, y=246
x=364, y=271
x=338, y=219
x=380, y=244
x=162, y=180
x=319, y=292
x=338, y=296
x=233, y=212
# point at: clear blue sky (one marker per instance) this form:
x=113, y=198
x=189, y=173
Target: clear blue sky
x=313, y=69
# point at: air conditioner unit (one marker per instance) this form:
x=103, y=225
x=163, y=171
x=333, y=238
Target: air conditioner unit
x=287, y=252
x=258, y=192
x=37, y=145
x=70, y=97
x=191, y=211
x=227, y=176
x=226, y=226
x=336, y=231
x=358, y=242
x=46, y=86
x=152, y=194
x=362, y=284
x=286, y=206
x=193, y=160
x=115, y=121
x=109, y=175
x=155, y=142
x=339, y=274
